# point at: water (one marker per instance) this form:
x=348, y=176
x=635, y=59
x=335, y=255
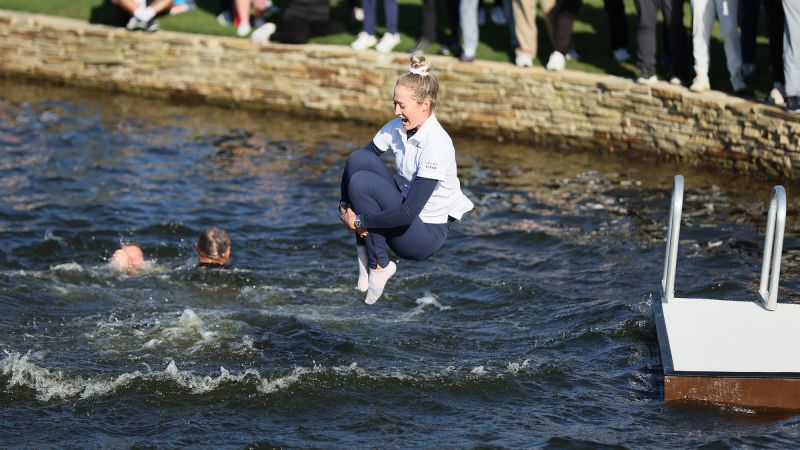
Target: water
x=531, y=327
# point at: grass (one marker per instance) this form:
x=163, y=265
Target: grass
x=590, y=34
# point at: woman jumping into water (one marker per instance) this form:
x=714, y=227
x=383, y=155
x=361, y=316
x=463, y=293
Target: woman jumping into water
x=412, y=219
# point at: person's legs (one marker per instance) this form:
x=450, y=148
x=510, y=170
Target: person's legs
x=748, y=20
x=728, y=14
x=390, y=11
x=702, y=20
x=568, y=9
x=370, y=193
x=775, y=21
x=524, y=13
x=677, y=37
x=369, y=16
x=429, y=20
x=468, y=10
x=419, y=240
x=646, y=37
x=617, y=23
x=368, y=185
x=791, y=47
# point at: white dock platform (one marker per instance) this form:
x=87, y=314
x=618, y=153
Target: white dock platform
x=742, y=353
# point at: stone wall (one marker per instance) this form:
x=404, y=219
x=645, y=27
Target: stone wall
x=496, y=100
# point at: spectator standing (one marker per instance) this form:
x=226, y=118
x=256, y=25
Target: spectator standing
x=646, y=37
x=749, y=13
x=562, y=17
x=143, y=15
x=302, y=20
x=703, y=13
x=524, y=14
x=618, y=29
x=242, y=10
x=791, y=54
x=429, y=22
x=367, y=39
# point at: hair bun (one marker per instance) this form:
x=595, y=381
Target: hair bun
x=419, y=65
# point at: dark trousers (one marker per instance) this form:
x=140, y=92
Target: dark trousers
x=646, y=38
x=429, y=17
x=294, y=30
x=370, y=188
x=563, y=18
x=748, y=20
x=617, y=23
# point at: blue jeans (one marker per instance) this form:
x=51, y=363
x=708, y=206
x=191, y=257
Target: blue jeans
x=371, y=11
x=468, y=10
x=368, y=185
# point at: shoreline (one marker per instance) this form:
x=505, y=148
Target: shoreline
x=494, y=100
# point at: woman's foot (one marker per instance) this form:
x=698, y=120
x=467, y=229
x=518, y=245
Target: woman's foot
x=377, y=281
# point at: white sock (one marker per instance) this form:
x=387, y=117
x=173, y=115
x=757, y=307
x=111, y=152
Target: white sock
x=363, y=271
x=144, y=14
x=377, y=281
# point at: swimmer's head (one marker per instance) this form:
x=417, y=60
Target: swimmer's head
x=127, y=259
x=213, y=247
x=423, y=84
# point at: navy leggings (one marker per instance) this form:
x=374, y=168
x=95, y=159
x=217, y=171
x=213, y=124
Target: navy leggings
x=369, y=186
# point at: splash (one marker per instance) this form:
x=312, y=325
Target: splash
x=427, y=301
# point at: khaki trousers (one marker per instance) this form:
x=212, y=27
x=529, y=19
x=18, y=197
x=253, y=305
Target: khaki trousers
x=525, y=23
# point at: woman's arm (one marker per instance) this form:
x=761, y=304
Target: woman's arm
x=418, y=195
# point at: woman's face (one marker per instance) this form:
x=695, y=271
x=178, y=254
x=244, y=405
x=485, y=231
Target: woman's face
x=411, y=112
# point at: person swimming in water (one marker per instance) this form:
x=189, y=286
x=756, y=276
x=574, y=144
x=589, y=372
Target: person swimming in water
x=213, y=248
x=413, y=219
x=127, y=259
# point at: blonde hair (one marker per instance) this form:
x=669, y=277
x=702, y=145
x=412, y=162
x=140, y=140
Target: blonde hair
x=420, y=80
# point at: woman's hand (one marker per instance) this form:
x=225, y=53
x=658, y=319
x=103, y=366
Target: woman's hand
x=348, y=218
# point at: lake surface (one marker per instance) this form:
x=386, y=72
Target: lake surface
x=531, y=327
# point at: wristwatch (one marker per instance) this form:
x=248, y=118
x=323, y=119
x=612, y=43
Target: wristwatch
x=357, y=222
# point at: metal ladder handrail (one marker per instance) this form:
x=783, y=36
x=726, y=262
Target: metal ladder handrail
x=773, y=245
x=673, y=233
x=773, y=248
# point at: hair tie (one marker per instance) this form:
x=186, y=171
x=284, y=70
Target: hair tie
x=416, y=71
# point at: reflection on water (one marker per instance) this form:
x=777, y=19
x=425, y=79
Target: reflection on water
x=531, y=327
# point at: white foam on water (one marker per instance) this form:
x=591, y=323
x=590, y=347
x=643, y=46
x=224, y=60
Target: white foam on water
x=47, y=384
x=54, y=384
x=514, y=367
x=427, y=301
x=479, y=370
x=68, y=267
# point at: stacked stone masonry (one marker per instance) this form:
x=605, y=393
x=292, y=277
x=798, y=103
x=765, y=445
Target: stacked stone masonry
x=495, y=100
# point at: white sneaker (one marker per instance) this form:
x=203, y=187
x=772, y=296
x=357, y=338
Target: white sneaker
x=263, y=34
x=675, y=81
x=700, y=84
x=738, y=83
x=652, y=79
x=556, y=62
x=243, y=29
x=621, y=54
x=777, y=95
x=524, y=60
x=225, y=18
x=388, y=42
x=364, y=41
x=481, y=17
x=358, y=13
x=498, y=16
